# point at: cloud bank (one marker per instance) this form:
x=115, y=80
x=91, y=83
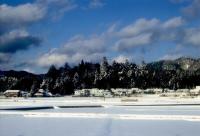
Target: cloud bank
x=117, y=41
x=141, y=33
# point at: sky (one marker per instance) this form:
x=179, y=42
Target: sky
x=35, y=34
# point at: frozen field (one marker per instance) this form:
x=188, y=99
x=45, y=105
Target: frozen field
x=98, y=119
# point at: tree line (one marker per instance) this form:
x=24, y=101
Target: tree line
x=175, y=74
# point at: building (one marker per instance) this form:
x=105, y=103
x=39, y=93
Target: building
x=136, y=91
x=149, y=91
x=195, y=91
x=97, y=92
x=122, y=92
x=94, y=92
x=182, y=90
x=107, y=94
x=82, y=93
x=77, y=93
x=158, y=90
x=12, y=93
x=43, y=93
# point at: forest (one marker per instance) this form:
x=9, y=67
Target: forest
x=173, y=74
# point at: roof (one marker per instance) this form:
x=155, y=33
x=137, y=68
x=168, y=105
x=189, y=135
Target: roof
x=41, y=91
x=12, y=91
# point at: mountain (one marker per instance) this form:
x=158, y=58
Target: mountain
x=183, y=63
x=17, y=74
x=164, y=65
x=188, y=63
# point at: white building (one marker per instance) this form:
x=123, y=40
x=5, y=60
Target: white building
x=158, y=90
x=96, y=92
x=122, y=92
x=195, y=91
x=182, y=90
x=77, y=93
x=82, y=93
x=108, y=94
x=149, y=91
x=136, y=90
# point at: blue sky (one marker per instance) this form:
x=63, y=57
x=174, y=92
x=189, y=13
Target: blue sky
x=35, y=34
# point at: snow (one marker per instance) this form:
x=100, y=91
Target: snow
x=112, y=119
x=48, y=126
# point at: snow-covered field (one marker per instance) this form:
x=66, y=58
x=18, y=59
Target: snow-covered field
x=140, y=100
x=110, y=117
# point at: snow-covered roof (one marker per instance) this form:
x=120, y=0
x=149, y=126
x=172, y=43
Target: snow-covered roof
x=12, y=91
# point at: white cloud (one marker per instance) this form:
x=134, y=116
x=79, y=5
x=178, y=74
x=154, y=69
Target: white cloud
x=59, y=59
x=139, y=26
x=128, y=43
x=121, y=59
x=193, y=10
x=57, y=8
x=192, y=37
x=13, y=23
x=142, y=32
x=147, y=32
x=171, y=57
x=12, y=35
x=20, y=15
x=50, y=59
x=17, y=40
x=76, y=49
x=84, y=46
x=173, y=23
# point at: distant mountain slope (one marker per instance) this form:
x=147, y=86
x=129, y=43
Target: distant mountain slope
x=188, y=63
x=17, y=74
x=164, y=65
x=182, y=63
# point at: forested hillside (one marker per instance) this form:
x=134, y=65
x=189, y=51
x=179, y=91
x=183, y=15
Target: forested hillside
x=173, y=74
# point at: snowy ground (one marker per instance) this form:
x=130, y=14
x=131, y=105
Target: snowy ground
x=141, y=100
x=111, y=117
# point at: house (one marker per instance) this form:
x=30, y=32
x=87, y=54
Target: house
x=24, y=94
x=149, y=91
x=94, y=92
x=38, y=95
x=82, y=93
x=85, y=92
x=97, y=92
x=195, y=91
x=43, y=93
x=136, y=90
x=158, y=90
x=107, y=94
x=77, y=93
x=12, y=93
x=182, y=90
x=122, y=92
